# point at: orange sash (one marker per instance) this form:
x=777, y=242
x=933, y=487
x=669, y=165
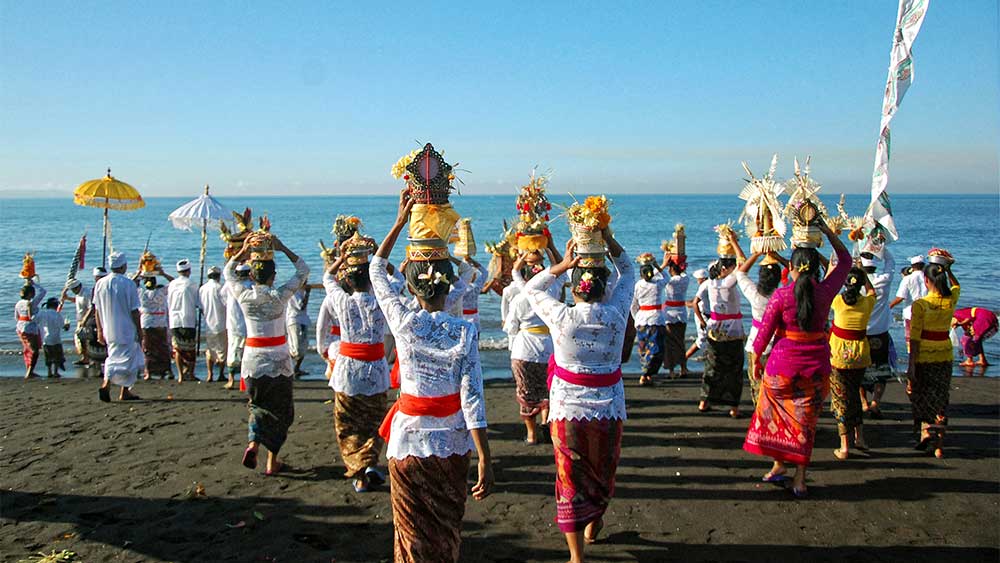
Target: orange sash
x=363, y=352
x=650, y=307
x=265, y=341
x=802, y=336
x=335, y=330
x=420, y=406
x=394, y=373
x=25, y=319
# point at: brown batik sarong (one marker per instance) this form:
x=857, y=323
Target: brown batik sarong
x=845, y=387
x=428, y=503
x=929, y=392
x=356, y=419
x=156, y=348
x=673, y=344
x=272, y=410
x=722, y=382
x=753, y=376
x=531, y=388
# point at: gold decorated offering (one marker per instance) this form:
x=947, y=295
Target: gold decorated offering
x=465, y=245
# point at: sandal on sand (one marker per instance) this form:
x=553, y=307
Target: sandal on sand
x=777, y=478
x=104, y=394
x=800, y=493
x=374, y=476
x=598, y=526
x=250, y=458
x=840, y=454
x=360, y=489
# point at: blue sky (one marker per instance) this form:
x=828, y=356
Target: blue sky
x=322, y=98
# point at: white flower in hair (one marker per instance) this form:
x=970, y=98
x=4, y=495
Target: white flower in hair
x=433, y=277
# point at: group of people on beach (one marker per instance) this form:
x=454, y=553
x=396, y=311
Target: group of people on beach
x=819, y=328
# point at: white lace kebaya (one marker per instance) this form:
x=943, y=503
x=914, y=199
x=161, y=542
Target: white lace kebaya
x=439, y=356
x=361, y=322
x=588, y=339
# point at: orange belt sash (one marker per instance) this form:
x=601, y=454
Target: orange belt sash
x=802, y=336
x=440, y=407
x=847, y=334
x=265, y=341
x=363, y=352
x=934, y=335
x=25, y=319
x=335, y=330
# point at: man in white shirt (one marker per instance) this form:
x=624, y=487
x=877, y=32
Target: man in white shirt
x=297, y=324
x=879, y=340
x=116, y=306
x=911, y=288
x=81, y=300
x=213, y=307
x=50, y=325
x=182, y=298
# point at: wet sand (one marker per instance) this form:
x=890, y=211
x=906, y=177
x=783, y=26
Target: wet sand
x=117, y=483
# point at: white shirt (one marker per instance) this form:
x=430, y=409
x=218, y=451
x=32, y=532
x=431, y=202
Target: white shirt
x=588, y=339
x=361, y=322
x=182, y=297
x=264, y=312
x=724, y=299
x=506, y=297
x=213, y=306
x=526, y=346
x=758, y=303
x=24, y=311
x=676, y=291
x=115, y=298
x=438, y=356
x=50, y=323
x=152, y=307
x=649, y=294
x=236, y=325
x=702, y=296
x=911, y=288
x=881, y=281
x=470, y=301
x=82, y=303
x=296, y=314
x=325, y=321
x=456, y=295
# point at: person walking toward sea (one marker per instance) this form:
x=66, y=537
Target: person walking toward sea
x=27, y=329
x=470, y=301
x=768, y=279
x=928, y=376
x=267, y=364
x=586, y=394
x=648, y=311
x=440, y=416
x=213, y=306
x=699, y=302
x=911, y=288
x=119, y=327
x=51, y=325
x=236, y=325
x=796, y=377
x=879, y=340
x=722, y=382
x=81, y=302
x=979, y=324
x=297, y=322
x=153, y=317
x=675, y=317
x=849, y=356
x=182, y=295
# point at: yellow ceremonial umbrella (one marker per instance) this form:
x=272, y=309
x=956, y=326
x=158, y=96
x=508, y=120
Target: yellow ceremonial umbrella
x=108, y=193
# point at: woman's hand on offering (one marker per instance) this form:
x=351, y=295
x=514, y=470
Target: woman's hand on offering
x=405, y=206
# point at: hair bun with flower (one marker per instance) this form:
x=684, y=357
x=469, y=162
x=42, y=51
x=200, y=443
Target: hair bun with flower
x=434, y=278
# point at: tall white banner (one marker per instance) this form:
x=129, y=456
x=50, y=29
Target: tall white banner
x=878, y=218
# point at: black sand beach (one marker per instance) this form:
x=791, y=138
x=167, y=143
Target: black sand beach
x=120, y=482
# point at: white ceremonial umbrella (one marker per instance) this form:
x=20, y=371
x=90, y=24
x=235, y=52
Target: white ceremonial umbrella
x=205, y=212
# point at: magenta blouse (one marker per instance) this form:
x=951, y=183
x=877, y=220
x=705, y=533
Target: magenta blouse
x=791, y=358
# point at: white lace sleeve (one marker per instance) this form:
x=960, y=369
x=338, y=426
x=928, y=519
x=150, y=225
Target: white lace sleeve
x=473, y=401
x=621, y=296
x=397, y=315
x=297, y=280
x=548, y=308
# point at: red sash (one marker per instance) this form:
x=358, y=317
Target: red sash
x=802, y=336
x=335, y=330
x=934, y=335
x=470, y=311
x=674, y=304
x=394, y=373
x=650, y=307
x=846, y=334
x=25, y=319
x=265, y=341
x=584, y=379
x=420, y=406
x=363, y=352
x=720, y=317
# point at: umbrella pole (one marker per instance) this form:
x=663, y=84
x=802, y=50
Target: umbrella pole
x=201, y=280
x=104, y=253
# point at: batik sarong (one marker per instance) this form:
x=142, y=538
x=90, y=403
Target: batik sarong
x=428, y=502
x=356, y=419
x=587, y=454
x=272, y=410
x=54, y=356
x=156, y=347
x=30, y=345
x=650, y=340
x=881, y=369
x=783, y=426
x=673, y=342
x=530, y=386
x=929, y=392
x=722, y=382
x=184, y=341
x=845, y=388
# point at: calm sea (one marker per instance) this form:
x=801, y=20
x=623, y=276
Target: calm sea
x=965, y=224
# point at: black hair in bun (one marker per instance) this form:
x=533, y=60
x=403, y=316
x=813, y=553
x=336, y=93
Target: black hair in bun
x=433, y=286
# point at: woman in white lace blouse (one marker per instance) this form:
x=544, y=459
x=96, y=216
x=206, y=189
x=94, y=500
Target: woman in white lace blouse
x=440, y=415
x=586, y=395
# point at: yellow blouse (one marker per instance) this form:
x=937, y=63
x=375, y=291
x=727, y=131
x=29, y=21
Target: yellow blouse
x=851, y=354
x=933, y=313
